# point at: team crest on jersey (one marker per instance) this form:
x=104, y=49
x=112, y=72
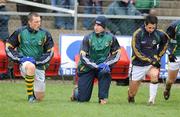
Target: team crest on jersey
x=40, y=43
x=154, y=42
x=107, y=44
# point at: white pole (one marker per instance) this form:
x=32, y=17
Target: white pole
x=75, y=15
x=43, y=6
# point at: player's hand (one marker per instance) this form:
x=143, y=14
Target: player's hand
x=30, y=59
x=172, y=58
x=156, y=64
x=103, y=67
x=107, y=69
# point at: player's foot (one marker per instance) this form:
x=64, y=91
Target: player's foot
x=102, y=101
x=74, y=94
x=151, y=102
x=166, y=94
x=31, y=99
x=130, y=99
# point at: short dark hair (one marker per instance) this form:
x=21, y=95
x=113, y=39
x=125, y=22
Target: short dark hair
x=151, y=19
x=31, y=14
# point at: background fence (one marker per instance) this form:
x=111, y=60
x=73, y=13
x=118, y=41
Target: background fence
x=126, y=23
x=11, y=19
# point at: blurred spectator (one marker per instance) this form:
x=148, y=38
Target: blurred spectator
x=4, y=33
x=64, y=22
x=81, y=2
x=140, y=22
x=91, y=7
x=27, y=8
x=122, y=26
x=153, y=12
x=145, y=5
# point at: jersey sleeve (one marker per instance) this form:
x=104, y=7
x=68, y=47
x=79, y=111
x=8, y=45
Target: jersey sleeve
x=84, y=50
x=114, y=52
x=48, y=50
x=171, y=31
x=136, y=47
x=163, y=44
x=11, y=43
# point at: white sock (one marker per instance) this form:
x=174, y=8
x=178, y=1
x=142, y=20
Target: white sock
x=153, y=91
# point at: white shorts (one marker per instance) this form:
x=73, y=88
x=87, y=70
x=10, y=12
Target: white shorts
x=139, y=72
x=174, y=65
x=39, y=81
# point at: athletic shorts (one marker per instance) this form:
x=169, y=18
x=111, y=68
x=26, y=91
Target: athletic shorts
x=139, y=72
x=174, y=65
x=39, y=81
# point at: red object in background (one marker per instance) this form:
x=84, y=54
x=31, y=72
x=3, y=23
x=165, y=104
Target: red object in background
x=119, y=71
x=147, y=78
x=3, y=58
x=53, y=68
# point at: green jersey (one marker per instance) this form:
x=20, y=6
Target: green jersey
x=26, y=42
x=31, y=43
x=174, y=33
x=96, y=49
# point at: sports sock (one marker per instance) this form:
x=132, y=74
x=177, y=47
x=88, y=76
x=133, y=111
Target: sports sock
x=29, y=84
x=153, y=90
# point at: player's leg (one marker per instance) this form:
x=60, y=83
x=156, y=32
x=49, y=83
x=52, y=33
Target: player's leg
x=85, y=86
x=104, y=81
x=137, y=74
x=39, y=84
x=153, y=73
x=132, y=91
x=172, y=74
x=28, y=72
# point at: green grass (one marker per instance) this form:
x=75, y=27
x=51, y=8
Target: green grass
x=13, y=102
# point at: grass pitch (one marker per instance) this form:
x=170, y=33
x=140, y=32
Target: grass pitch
x=13, y=102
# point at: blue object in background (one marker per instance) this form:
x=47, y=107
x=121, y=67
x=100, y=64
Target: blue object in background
x=73, y=49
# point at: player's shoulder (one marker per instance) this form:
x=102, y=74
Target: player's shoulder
x=176, y=22
x=19, y=29
x=112, y=36
x=44, y=30
x=108, y=33
x=162, y=33
x=88, y=35
x=140, y=31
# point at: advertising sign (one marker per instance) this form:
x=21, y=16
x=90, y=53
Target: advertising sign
x=70, y=45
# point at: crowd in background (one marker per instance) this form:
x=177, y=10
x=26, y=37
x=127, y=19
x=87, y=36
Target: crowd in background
x=116, y=7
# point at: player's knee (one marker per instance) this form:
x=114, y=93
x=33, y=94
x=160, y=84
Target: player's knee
x=30, y=68
x=39, y=89
x=39, y=96
x=154, y=81
x=83, y=98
